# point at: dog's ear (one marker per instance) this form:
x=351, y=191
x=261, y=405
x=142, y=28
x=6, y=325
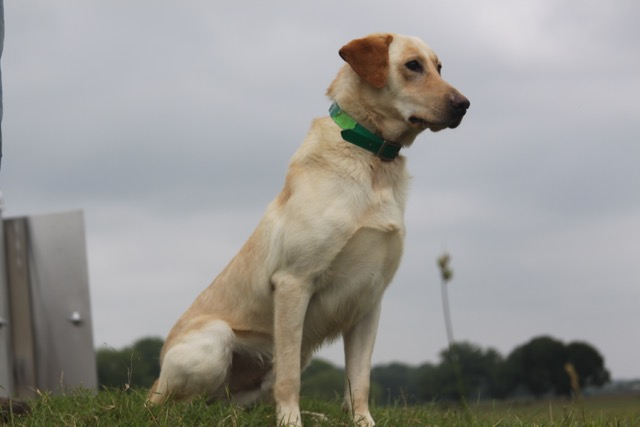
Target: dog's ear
x=369, y=58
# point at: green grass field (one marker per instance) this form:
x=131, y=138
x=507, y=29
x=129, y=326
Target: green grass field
x=117, y=408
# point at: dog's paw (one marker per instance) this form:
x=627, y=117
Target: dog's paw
x=316, y=416
x=289, y=416
x=363, y=420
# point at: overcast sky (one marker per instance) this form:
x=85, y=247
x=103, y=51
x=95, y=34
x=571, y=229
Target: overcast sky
x=171, y=124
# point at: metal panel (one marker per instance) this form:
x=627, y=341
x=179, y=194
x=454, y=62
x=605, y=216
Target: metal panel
x=49, y=317
x=21, y=325
x=6, y=365
x=59, y=281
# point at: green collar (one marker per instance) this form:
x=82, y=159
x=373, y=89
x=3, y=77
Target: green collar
x=357, y=134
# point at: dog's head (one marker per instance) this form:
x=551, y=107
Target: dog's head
x=394, y=83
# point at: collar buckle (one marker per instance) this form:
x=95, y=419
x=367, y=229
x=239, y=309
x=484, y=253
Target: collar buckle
x=388, y=151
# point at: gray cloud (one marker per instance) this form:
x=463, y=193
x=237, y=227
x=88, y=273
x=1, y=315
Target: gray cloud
x=171, y=125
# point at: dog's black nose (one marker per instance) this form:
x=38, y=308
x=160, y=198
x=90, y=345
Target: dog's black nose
x=459, y=103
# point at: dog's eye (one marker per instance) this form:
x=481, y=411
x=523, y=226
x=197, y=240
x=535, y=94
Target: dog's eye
x=414, y=66
x=439, y=68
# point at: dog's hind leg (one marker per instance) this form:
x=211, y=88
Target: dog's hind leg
x=197, y=365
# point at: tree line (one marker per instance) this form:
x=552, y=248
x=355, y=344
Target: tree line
x=541, y=366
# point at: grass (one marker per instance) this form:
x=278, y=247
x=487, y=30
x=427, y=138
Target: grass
x=127, y=408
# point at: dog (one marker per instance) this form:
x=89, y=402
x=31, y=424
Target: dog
x=318, y=263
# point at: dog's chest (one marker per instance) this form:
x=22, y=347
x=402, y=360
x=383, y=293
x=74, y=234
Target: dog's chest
x=355, y=282
x=357, y=278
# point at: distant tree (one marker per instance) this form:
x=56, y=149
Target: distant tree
x=146, y=361
x=427, y=387
x=588, y=363
x=481, y=372
x=539, y=366
x=113, y=368
x=317, y=366
x=137, y=366
x=501, y=384
x=397, y=381
x=322, y=380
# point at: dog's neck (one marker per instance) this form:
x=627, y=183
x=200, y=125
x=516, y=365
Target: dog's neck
x=359, y=135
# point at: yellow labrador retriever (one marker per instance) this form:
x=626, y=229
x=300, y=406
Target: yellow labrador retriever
x=319, y=261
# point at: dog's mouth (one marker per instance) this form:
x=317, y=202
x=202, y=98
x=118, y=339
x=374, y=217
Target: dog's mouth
x=456, y=122
x=423, y=124
x=418, y=122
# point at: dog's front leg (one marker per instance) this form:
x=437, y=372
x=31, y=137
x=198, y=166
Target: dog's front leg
x=291, y=299
x=358, y=347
